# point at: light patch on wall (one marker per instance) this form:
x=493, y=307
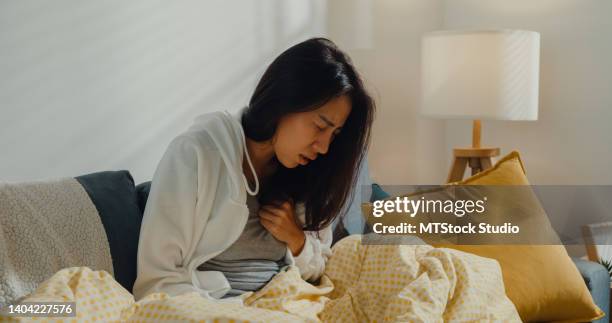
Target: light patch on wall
x=88, y=87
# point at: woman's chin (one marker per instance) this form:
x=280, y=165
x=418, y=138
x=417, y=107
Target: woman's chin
x=290, y=164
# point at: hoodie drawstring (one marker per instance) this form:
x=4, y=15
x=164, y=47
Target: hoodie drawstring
x=246, y=152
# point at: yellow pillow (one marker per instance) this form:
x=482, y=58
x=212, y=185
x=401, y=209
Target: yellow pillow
x=541, y=280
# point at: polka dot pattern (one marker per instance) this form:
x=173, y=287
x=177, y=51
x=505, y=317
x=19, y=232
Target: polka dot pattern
x=413, y=283
x=374, y=283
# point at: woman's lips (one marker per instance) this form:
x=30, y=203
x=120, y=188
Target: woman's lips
x=303, y=160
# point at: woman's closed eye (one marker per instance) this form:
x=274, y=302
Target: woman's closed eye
x=321, y=128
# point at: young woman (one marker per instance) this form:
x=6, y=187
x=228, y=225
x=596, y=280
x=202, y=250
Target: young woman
x=236, y=198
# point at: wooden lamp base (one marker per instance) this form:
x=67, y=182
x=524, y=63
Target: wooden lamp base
x=477, y=158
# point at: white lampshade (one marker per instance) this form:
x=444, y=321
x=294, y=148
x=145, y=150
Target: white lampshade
x=487, y=74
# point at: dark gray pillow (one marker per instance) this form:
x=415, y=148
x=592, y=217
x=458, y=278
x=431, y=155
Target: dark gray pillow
x=142, y=190
x=114, y=195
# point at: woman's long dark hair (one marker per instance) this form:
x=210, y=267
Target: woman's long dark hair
x=303, y=78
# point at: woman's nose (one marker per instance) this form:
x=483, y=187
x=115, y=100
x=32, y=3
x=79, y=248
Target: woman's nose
x=322, y=144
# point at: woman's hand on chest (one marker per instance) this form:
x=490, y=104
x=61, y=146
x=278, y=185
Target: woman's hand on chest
x=281, y=222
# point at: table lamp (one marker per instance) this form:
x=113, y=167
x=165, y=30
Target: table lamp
x=480, y=75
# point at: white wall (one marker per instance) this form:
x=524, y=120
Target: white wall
x=87, y=86
x=406, y=148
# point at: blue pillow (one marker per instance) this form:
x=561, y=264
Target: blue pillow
x=340, y=231
x=378, y=193
x=142, y=190
x=114, y=195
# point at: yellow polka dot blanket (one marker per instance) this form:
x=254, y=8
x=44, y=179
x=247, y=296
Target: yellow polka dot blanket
x=361, y=283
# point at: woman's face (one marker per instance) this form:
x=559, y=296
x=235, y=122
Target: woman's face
x=301, y=137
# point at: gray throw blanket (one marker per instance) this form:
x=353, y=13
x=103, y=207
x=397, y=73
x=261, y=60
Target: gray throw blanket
x=46, y=226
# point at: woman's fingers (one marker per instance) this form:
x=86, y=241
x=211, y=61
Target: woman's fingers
x=269, y=226
x=273, y=218
x=279, y=222
x=266, y=223
x=274, y=210
x=286, y=205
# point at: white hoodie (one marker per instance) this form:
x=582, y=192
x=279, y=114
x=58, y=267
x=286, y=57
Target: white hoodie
x=197, y=208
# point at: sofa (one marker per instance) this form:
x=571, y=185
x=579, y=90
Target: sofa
x=120, y=204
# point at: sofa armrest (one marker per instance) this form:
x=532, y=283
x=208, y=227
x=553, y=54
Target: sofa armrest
x=597, y=280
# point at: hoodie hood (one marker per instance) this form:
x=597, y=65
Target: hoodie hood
x=225, y=130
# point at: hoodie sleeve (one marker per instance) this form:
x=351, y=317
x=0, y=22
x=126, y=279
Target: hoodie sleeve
x=317, y=249
x=169, y=221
